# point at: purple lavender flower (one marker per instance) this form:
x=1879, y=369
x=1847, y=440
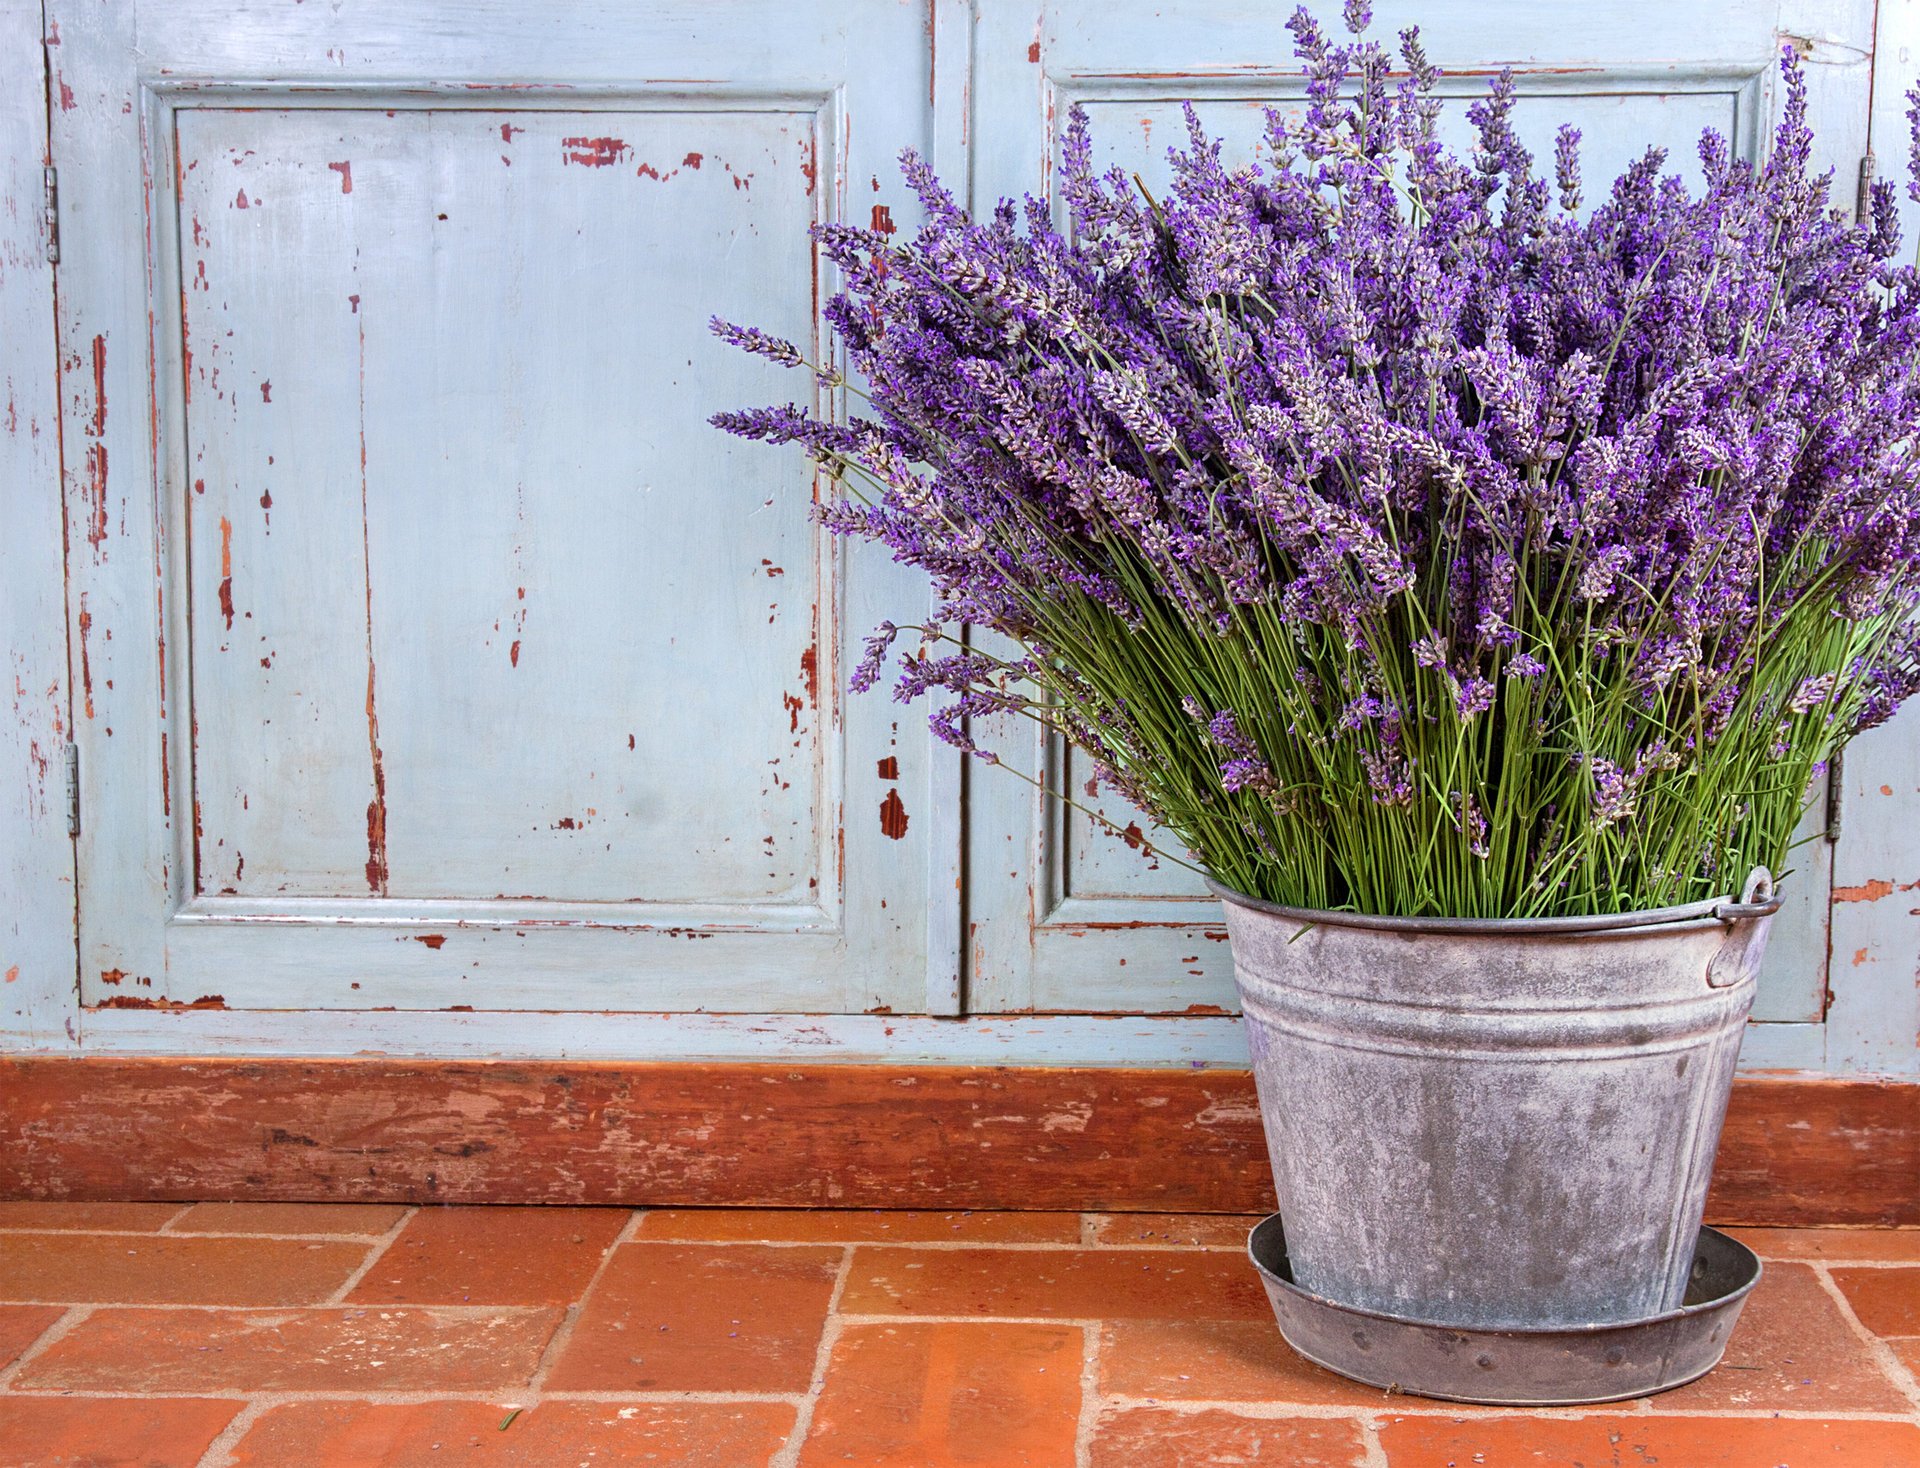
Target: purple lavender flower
x=1341, y=439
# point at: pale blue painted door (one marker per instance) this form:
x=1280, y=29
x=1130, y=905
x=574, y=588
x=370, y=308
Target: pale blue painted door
x=430, y=652
x=1067, y=916
x=435, y=653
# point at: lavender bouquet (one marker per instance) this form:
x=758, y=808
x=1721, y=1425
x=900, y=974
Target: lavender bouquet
x=1399, y=536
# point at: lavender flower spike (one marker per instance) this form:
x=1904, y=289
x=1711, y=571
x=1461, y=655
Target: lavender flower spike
x=1397, y=540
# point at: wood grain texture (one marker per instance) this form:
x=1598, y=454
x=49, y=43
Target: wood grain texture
x=1795, y=1151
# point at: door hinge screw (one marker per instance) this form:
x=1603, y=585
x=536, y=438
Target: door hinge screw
x=52, y=217
x=73, y=790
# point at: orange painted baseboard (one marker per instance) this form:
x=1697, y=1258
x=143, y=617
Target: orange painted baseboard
x=1795, y=1151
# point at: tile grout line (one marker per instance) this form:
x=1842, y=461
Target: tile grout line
x=374, y=1256
x=1009, y=1246
x=789, y=1455
x=505, y=1396
x=1373, y=1450
x=508, y=1396
x=1884, y=1356
x=219, y=1453
x=75, y=1314
x=1090, y=1405
x=563, y=1333
x=1268, y=1408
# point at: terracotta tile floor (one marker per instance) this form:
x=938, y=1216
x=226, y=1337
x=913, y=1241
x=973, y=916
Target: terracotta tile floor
x=282, y=1335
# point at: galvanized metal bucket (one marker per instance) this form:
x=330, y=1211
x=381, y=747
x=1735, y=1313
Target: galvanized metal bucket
x=1496, y=1123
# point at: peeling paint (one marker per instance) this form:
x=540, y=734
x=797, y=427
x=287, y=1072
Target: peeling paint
x=1873, y=891
x=345, y=170
x=86, y=662
x=226, y=570
x=889, y=768
x=96, y=429
x=893, y=816
x=594, y=152
x=883, y=219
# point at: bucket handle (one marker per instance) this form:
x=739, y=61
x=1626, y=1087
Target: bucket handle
x=1746, y=930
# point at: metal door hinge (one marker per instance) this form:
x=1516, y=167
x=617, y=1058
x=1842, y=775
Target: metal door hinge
x=73, y=790
x=1836, y=797
x=52, y=217
x=1863, y=190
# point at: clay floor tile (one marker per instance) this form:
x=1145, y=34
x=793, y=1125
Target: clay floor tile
x=1843, y=1245
x=21, y=1326
x=1208, y=1230
x=1129, y=1284
x=1219, y=1361
x=1794, y=1351
x=165, y=1270
x=949, y=1395
x=1908, y=1351
x=364, y=1348
x=1146, y=1437
x=868, y=1225
x=691, y=1317
x=1618, y=1441
x=127, y=1217
x=1886, y=1300
x=109, y=1432
x=550, y=1435
x=492, y=1256
x=359, y=1220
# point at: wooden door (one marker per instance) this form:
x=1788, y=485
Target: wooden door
x=1066, y=916
x=432, y=652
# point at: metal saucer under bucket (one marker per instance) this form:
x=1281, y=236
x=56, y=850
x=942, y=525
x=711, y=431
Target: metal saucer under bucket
x=1546, y=1367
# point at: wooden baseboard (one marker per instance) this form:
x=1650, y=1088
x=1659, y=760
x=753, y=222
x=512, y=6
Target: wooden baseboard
x=1795, y=1150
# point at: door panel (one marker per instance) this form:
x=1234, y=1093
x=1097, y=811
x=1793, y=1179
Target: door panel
x=440, y=654
x=1067, y=914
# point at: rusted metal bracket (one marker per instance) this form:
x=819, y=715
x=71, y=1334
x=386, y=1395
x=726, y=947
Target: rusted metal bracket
x=73, y=790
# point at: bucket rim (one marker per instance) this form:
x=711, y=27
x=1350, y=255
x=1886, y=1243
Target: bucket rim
x=1720, y=911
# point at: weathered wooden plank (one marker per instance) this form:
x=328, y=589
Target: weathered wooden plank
x=1794, y=1151
x=37, y=961
x=1825, y=1151
x=140, y=1027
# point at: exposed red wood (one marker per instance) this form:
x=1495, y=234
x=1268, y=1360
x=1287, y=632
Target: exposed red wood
x=226, y=570
x=376, y=807
x=1795, y=1150
x=593, y=152
x=893, y=816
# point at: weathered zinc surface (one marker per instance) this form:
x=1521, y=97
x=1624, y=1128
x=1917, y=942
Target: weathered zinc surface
x=439, y=683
